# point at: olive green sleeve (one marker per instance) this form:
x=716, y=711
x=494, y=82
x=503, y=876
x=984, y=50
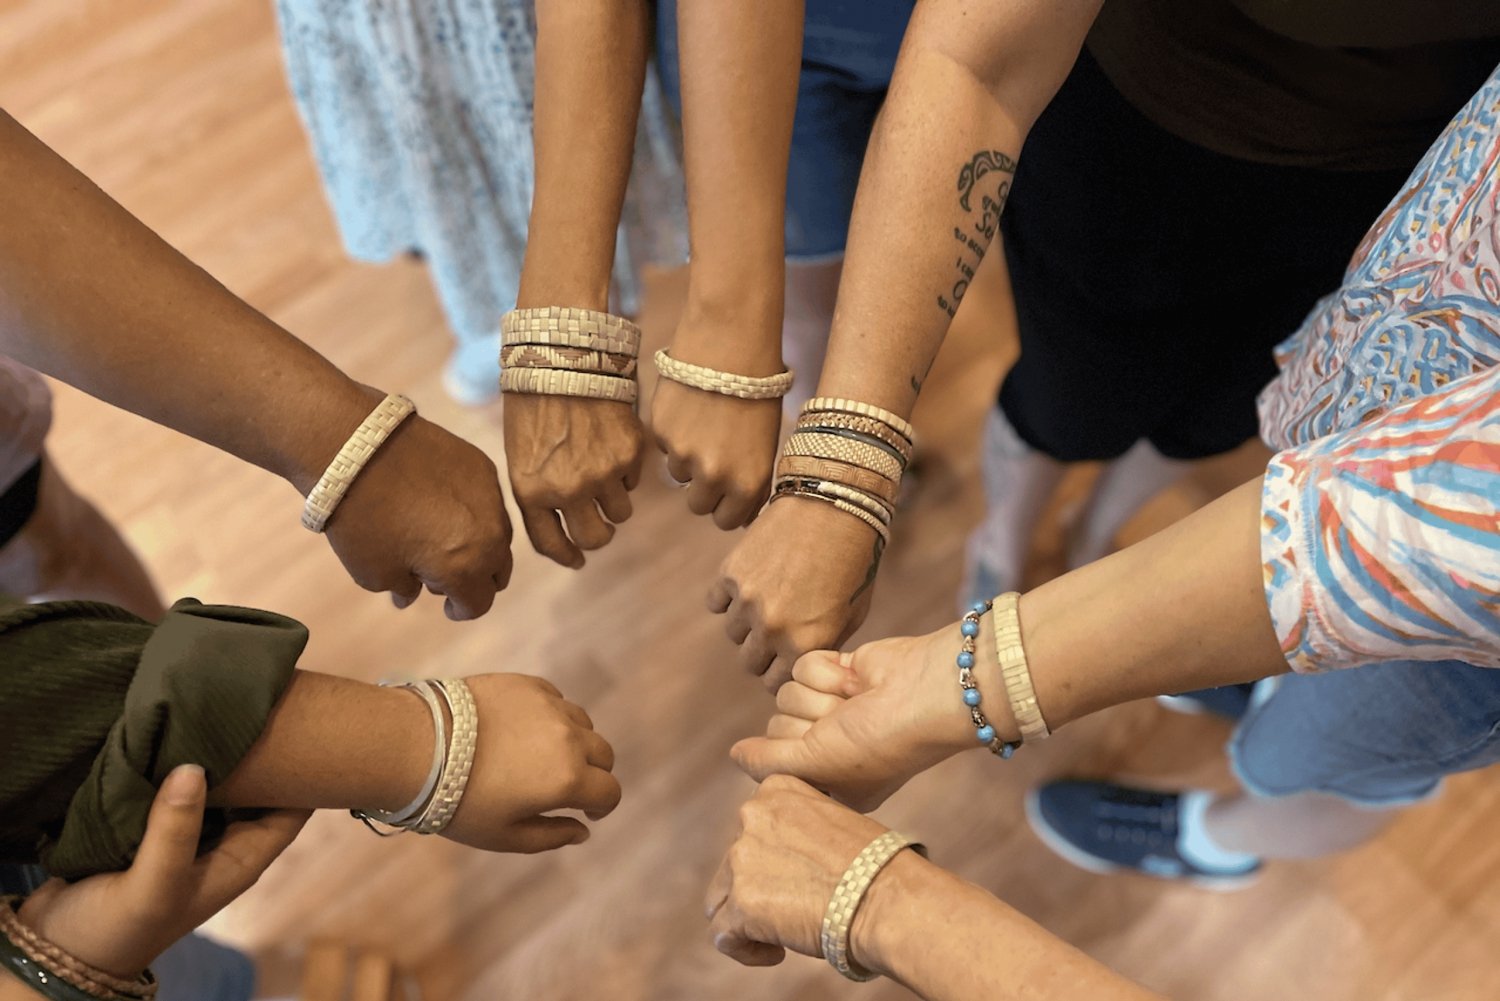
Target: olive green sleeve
x=199, y=688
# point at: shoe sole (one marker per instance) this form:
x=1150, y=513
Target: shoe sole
x=1071, y=853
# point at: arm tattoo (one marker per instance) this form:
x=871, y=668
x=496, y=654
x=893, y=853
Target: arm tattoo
x=975, y=240
x=874, y=568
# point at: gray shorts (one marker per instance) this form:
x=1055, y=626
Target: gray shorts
x=1380, y=736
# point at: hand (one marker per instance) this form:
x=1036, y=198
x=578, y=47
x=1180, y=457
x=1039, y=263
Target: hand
x=426, y=509
x=860, y=725
x=800, y=580
x=579, y=457
x=774, y=884
x=537, y=753
x=120, y=922
x=721, y=447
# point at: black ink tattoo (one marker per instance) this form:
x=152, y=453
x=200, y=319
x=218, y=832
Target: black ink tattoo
x=869, y=580
x=916, y=384
x=982, y=163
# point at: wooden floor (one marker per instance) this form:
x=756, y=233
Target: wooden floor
x=180, y=110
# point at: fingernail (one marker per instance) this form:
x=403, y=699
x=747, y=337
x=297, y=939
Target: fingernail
x=185, y=785
x=400, y=601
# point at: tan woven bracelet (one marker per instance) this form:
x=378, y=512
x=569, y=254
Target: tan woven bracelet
x=710, y=380
x=1014, y=669
x=835, y=471
x=838, y=920
x=863, y=409
x=831, y=446
x=563, y=326
x=362, y=444
x=552, y=382
x=569, y=359
x=461, y=747
x=854, y=422
x=73, y=971
x=869, y=519
x=856, y=497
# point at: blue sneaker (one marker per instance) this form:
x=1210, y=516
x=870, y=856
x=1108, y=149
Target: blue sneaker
x=1228, y=701
x=1107, y=828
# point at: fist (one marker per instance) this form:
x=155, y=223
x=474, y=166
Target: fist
x=723, y=449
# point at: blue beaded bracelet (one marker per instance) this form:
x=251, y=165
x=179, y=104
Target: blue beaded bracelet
x=983, y=731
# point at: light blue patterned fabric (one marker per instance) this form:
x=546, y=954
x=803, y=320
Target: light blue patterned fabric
x=419, y=113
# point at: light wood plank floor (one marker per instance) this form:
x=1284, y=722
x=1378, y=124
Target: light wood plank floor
x=179, y=109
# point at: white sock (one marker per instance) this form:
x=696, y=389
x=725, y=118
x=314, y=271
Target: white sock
x=1194, y=842
x=1123, y=488
x=1018, y=483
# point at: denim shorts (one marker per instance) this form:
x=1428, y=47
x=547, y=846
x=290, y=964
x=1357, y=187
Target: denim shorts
x=848, y=54
x=1379, y=736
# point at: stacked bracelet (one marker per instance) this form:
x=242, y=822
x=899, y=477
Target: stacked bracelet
x=850, y=455
x=984, y=731
x=1015, y=670
x=838, y=920
x=711, y=380
x=367, y=438
x=558, y=351
x=452, y=762
x=51, y=972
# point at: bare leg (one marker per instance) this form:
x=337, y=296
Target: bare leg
x=811, y=290
x=1126, y=483
x=69, y=550
x=1307, y=825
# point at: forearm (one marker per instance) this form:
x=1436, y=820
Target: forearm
x=91, y=296
x=335, y=743
x=11, y=989
x=948, y=940
x=740, y=65
x=590, y=71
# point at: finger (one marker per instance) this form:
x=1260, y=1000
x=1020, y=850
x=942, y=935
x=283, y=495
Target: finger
x=586, y=526
x=614, y=501
x=598, y=751
x=718, y=889
x=501, y=567
x=246, y=850
x=757, y=653
x=826, y=671
x=703, y=496
x=734, y=943
x=736, y=509
x=738, y=625
x=796, y=699
x=632, y=477
x=576, y=713
x=406, y=591
x=468, y=597
x=597, y=795
x=721, y=596
x=679, y=468
x=543, y=834
x=173, y=827
x=783, y=727
x=544, y=528
x=762, y=757
x=546, y=687
x=778, y=672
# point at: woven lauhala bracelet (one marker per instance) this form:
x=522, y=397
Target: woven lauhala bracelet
x=984, y=731
x=552, y=382
x=829, y=419
x=58, y=969
x=863, y=409
x=567, y=359
x=461, y=748
x=838, y=919
x=325, y=497
x=710, y=380
x=823, y=445
x=564, y=326
x=1015, y=670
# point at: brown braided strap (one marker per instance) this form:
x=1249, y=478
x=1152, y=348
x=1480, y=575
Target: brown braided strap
x=554, y=382
x=831, y=446
x=710, y=380
x=75, y=972
x=562, y=326
x=802, y=484
x=834, y=471
x=863, y=409
x=337, y=478
x=853, y=422
x=792, y=490
x=850, y=893
x=569, y=359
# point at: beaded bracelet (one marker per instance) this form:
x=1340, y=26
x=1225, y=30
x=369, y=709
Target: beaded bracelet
x=984, y=731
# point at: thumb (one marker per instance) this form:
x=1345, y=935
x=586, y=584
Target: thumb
x=170, y=845
x=762, y=757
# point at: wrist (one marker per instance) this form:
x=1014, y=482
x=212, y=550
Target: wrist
x=740, y=334
x=321, y=429
x=889, y=916
x=948, y=727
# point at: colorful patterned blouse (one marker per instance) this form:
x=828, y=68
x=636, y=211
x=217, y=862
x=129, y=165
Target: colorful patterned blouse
x=1381, y=519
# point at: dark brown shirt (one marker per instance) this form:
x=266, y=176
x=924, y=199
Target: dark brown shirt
x=1331, y=84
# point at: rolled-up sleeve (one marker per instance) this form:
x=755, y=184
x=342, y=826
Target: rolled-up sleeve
x=100, y=706
x=1382, y=542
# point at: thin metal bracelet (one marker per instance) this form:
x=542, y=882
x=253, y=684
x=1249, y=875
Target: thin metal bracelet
x=984, y=731
x=399, y=819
